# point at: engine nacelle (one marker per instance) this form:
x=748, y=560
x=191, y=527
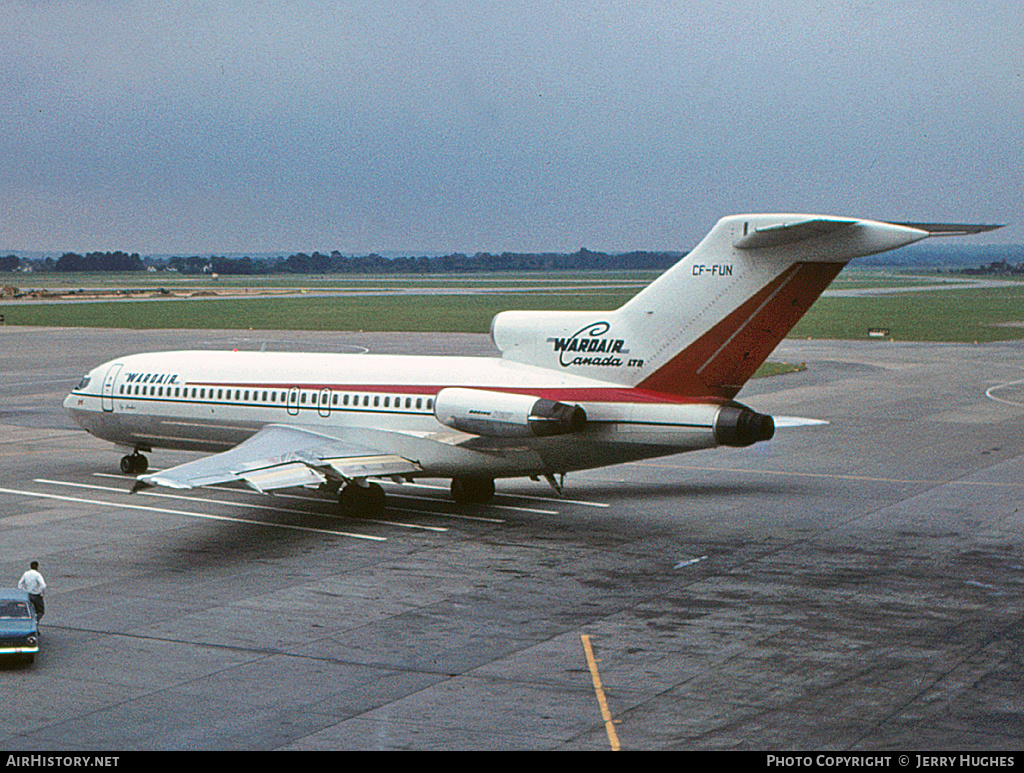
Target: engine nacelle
x=737, y=425
x=499, y=414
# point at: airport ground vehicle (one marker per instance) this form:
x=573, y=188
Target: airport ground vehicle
x=19, y=628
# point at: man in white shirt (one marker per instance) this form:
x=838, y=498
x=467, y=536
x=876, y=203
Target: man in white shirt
x=33, y=583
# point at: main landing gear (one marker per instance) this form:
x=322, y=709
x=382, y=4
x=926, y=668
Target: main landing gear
x=134, y=464
x=366, y=500
x=369, y=499
x=472, y=490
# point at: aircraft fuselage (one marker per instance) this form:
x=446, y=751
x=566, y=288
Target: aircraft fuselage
x=211, y=401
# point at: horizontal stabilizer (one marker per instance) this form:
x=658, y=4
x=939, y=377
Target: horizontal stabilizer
x=797, y=421
x=950, y=229
x=789, y=233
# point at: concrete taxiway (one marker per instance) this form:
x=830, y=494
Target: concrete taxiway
x=851, y=586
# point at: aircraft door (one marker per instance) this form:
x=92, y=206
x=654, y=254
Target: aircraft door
x=293, y=401
x=107, y=399
x=324, y=405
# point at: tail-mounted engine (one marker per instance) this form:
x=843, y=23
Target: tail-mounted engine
x=499, y=414
x=737, y=425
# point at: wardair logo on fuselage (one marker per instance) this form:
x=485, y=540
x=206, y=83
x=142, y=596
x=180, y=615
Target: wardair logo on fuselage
x=581, y=346
x=152, y=378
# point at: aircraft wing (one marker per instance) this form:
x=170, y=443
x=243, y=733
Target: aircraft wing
x=281, y=456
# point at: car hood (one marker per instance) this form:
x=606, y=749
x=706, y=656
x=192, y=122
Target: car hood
x=17, y=627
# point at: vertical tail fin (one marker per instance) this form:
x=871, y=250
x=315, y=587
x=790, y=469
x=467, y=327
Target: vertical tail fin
x=704, y=326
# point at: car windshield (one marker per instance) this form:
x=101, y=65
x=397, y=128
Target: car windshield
x=13, y=609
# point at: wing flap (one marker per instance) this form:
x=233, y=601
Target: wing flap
x=379, y=466
x=282, y=476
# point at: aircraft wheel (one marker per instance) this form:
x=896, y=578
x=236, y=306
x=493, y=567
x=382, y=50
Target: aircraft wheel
x=472, y=490
x=357, y=500
x=134, y=463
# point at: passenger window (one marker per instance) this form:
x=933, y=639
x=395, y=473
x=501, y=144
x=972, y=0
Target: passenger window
x=419, y=403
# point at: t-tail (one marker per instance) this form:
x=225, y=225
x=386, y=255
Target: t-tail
x=705, y=325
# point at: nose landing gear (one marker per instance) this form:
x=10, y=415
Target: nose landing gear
x=134, y=464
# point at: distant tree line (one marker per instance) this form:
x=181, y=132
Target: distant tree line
x=71, y=261
x=997, y=268
x=99, y=261
x=336, y=263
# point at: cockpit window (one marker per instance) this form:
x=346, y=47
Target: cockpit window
x=83, y=383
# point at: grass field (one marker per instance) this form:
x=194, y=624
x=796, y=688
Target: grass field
x=410, y=313
x=945, y=315
x=977, y=314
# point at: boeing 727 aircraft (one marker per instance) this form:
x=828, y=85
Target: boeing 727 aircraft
x=571, y=390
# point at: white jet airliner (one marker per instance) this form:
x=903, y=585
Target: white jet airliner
x=572, y=390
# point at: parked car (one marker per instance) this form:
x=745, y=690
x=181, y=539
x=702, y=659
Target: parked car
x=19, y=629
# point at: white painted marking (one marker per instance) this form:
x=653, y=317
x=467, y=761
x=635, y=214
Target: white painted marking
x=990, y=390
x=454, y=516
x=559, y=501
x=498, y=507
x=186, y=513
x=431, y=513
x=697, y=560
x=246, y=505
x=37, y=383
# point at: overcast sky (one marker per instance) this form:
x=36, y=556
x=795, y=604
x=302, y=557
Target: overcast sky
x=429, y=127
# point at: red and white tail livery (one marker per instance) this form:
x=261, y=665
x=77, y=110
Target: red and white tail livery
x=571, y=390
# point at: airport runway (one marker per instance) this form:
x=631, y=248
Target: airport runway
x=854, y=586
